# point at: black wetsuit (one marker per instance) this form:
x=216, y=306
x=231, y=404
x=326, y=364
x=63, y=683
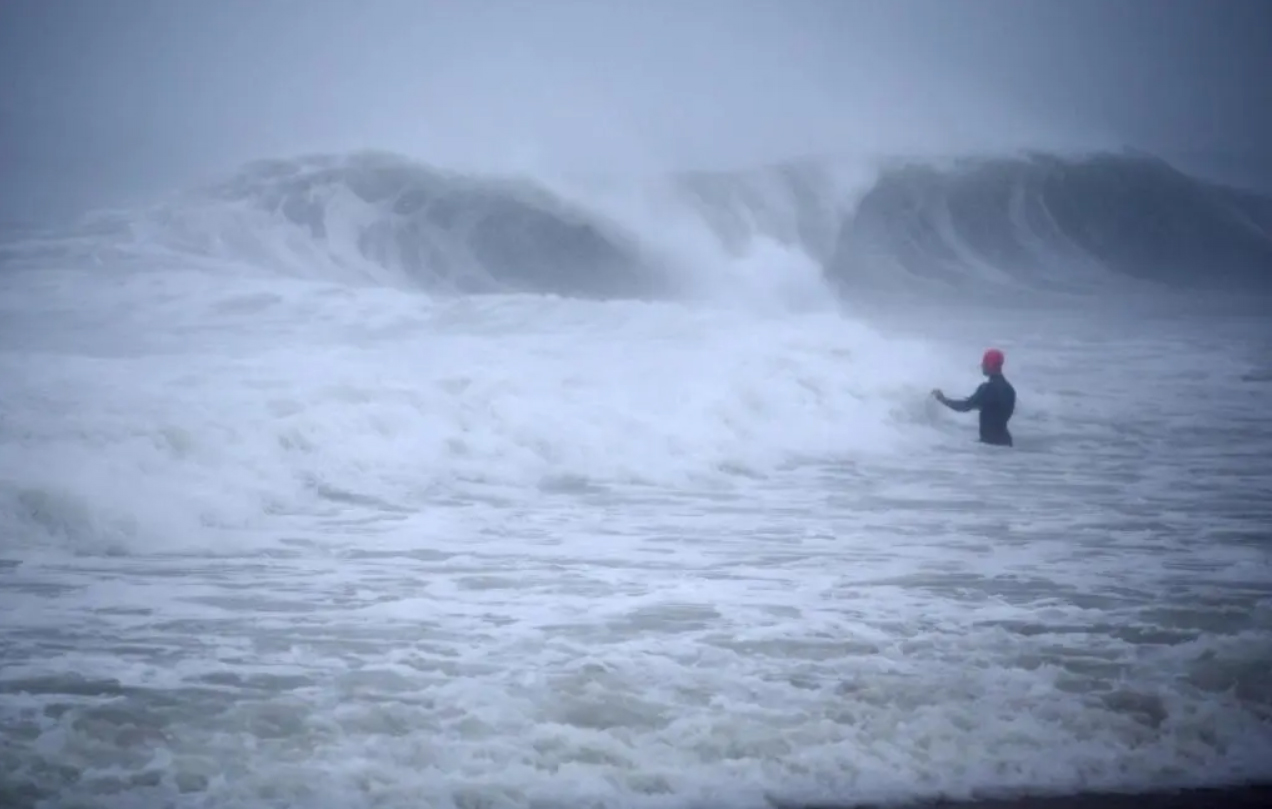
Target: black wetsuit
x=996, y=401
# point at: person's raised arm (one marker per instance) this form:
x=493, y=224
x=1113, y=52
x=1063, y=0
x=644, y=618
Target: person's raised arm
x=972, y=402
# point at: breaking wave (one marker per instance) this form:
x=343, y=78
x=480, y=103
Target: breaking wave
x=1052, y=221
x=1032, y=221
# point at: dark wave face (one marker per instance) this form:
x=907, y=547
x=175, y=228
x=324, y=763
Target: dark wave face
x=1042, y=217
x=444, y=230
x=1035, y=222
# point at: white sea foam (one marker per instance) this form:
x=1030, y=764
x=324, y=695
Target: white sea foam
x=269, y=540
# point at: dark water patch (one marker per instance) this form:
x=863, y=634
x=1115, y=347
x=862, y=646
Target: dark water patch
x=69, y=684
x=1239, y=795
x=256, y=681
x=414, y=554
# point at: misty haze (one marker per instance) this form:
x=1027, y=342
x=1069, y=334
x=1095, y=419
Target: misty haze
x=496, y=404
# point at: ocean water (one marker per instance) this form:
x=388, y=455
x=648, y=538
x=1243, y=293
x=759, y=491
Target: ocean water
x=299, y=509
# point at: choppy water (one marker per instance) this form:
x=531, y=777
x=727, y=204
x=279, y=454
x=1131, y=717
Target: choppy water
x=282, y=544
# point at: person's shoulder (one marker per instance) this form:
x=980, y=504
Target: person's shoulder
x=998, y=386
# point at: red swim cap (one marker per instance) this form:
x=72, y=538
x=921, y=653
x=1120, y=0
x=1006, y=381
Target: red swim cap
x=993, y=360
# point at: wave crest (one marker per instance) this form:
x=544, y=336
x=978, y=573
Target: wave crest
x=1032, y=221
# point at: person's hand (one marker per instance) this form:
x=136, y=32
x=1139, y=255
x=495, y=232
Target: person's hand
x=937, y=394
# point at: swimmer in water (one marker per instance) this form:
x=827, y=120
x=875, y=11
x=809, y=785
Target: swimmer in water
x=995, y=399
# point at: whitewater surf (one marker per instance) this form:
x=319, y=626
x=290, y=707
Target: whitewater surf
x=348, y=480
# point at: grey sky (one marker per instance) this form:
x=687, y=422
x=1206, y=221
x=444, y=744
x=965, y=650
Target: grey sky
x=124, y=95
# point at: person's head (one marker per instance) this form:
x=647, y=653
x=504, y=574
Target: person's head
x=992, y=362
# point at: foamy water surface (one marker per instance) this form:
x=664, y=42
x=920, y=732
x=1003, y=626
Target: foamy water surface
x=273, y=543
